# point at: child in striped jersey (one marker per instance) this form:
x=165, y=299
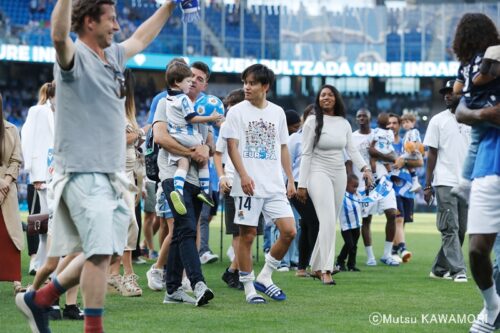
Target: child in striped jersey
x=350, y=224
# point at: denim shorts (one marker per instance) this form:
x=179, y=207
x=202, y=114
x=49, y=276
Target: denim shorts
x=162, y=208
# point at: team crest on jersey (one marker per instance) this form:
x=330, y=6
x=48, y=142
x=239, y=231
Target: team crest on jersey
x=260, y=138
x=241, y=215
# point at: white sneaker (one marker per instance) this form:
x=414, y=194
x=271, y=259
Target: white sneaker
x=446, y=276
x=178, y=296
x=202, y=293
x=283, y=269
x=389, y=261
x=371, y=262
x=208, y=258
x=415, y=187
x=460, y=278
x=186, y=284
x=230, y=253
x=406, y=255
x=397, y=258
x=155, y=278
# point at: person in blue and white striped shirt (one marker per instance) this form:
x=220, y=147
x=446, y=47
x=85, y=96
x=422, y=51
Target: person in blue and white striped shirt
x=350, y=224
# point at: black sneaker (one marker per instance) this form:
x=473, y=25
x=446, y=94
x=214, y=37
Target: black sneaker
x=36, y=316
x=72, y=312
x=55, y=312
x=232, y=279
x=340, y=267
x=354, y=269
x=204, y=197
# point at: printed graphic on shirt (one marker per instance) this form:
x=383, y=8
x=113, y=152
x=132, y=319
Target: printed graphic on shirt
x=260, y=140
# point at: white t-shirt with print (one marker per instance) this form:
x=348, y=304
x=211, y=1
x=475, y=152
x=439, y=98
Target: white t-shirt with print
x=384, y=138
x=221, y=147
x=260, y=132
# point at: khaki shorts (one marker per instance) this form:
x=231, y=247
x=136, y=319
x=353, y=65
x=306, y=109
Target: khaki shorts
x=100, y=216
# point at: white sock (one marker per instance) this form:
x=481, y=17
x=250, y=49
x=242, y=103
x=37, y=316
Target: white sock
x=204, y=175
x=387, y=249
x=369, y=252
x=179, y=180
x=491, y=303
x=247, y=280
x=265, y=275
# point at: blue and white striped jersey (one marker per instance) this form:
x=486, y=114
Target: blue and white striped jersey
x=350, y=216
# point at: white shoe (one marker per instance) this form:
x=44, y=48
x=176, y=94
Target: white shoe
x=230, y=253
x=406, y=256
x=155, y=278
x=186, y=285
x=177, y=297
x=202, y=293
x=371, y=262
x=397, y=258
x=446, y=276
x=208, y=258
x=460, y=278
x=283, y=269
x=389, y=261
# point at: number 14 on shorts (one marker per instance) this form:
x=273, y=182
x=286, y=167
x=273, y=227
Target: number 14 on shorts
x=244, y=203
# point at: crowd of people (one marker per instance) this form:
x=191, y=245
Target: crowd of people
x=300, y=175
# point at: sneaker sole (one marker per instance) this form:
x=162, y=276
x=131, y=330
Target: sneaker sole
x=175, y=301
x=407, y=257
x=207, y=296
x=177, y=202
x=202, y=198
x=25, y=310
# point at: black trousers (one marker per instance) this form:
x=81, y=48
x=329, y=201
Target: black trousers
x=309, y=227
x=350, y=247
x=32, y=240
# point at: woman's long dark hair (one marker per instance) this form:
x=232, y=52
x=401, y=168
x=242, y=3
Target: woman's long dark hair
x=475, y=33
x=338, y=109
x=2, y=130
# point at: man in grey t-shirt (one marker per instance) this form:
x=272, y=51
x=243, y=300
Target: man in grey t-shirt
x=90, y=214
x=185, y=226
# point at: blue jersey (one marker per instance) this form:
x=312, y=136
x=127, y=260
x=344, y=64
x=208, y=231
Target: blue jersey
x=350, y=216
x=488, y=155
x=402, y=181
x=477, y=97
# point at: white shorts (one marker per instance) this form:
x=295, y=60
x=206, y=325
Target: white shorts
x=484, y=208
x=248, y=209
x=379, y=207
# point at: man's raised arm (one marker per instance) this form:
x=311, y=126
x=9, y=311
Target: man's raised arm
x=59, y=32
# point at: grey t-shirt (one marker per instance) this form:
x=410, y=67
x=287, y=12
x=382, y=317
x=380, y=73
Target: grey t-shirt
x=167, y=171
x=90, y=116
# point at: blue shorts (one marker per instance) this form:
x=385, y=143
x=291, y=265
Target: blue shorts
x=162, y=208
x=405, y=208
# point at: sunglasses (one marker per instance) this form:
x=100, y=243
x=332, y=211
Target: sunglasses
x=119, y=77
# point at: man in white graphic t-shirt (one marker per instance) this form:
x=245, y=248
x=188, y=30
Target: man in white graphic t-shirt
x=257, y=136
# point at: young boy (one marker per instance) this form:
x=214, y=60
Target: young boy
x=350, y=225
x=383, y=139
x=257, y=137
x=181, y=126
x=413, y=147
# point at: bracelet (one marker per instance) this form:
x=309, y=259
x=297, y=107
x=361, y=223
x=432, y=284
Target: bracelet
x=428, y=188
x=366, y=169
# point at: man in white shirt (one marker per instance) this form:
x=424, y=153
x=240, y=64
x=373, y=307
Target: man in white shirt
x=448, y=142
x=257, y=135
x=362, y=139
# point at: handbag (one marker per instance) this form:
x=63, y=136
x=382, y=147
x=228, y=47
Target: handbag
x=37, y=223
